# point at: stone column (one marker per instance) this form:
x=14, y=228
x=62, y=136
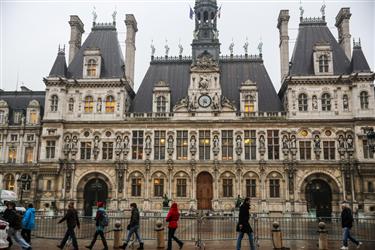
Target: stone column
x=282, y=25
x=342, y=24
x=131, y=30
x=76, y=31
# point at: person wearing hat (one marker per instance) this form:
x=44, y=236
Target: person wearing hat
x=347, y=223
x=101, y=222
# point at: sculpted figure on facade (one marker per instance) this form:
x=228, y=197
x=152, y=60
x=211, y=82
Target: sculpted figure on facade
x=349, y=141
x=341, y=142
x=126, y=142
x=314, y=102
x=262, y=144
x=317, y=142
x=293, y=142
x=215, y=102
x=170, y=145
x=96, y=147
x=345, y=102
x=204, y=81
x=285, y=142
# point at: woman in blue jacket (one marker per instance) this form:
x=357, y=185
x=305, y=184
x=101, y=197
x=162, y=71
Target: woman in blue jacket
x=28, y=223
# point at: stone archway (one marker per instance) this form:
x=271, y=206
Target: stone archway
x=95, y=190
x=204, y=190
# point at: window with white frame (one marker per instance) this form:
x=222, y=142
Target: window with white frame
x=136, y=186
x=85, y=150
x=323, y=64
x=250, y=143
x=181, y=187
x=302, y=102
x=329, y=150
x=251, y=187
x=274, y=188
x=363, y=97
x=227, y=144
x=159, y=145
x=227, y=187
x=137, y=145
x=12, y=154
x=91, y=68
x=50, y=149
x=326, y=102
x=182, y=145
x=161, y=104
x=158, y=187
x=54, y=103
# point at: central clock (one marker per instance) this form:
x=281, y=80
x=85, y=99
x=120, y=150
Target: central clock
x=204, y=101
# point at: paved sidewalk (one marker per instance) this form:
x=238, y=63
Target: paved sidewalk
x=47, y=244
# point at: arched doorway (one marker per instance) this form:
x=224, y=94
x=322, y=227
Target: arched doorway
x=204, y=190
x=319, y=198
x=95, y=190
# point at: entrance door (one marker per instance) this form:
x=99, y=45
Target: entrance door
x=95, y=190
x=204, y=191
x=319, y=198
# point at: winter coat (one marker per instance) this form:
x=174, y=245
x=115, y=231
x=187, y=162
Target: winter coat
x=98, y=219
x=13, y=218
x=134, y=219
x=28, y=220
x=71, y=218
x=173, y=216
x=243, y=219
x=346, y=218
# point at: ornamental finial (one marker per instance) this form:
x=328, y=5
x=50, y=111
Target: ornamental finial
x=246, y=46
x=94, y=15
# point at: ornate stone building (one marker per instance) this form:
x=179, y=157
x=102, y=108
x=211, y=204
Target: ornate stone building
x=201, y=129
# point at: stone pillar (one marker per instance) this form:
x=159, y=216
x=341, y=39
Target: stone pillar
x=282, y=25
x=131, y=30
x=76, y=31
x=342, y=24
x=323, y=236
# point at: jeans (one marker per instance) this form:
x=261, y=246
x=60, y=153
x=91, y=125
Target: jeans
x=251, y=240
x=171, y=236
x=101, y=233
x=15, y=235
x=131, y=231
x=26, y=234
x=346, y=235
x=70, y=232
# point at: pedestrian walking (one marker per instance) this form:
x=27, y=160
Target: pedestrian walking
x=28, y=223
x=101, y=221
x=72, y=221
x=243, y=225
x=133, y=227
x=172, y=218
x=347, y=223
x=15, y=220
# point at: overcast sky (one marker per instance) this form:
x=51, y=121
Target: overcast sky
x=32, y=30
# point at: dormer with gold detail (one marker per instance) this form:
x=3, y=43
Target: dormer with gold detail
x=92, y=62
x=249, y=97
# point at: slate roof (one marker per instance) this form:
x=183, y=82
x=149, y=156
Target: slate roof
x=59, y=68
x=359, y=62
x=19, y=100
x=232, y=73
x=309, y=34
x=105, y=38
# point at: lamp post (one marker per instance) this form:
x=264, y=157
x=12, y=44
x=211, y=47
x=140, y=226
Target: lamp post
x=370, y=136
x=23, y=181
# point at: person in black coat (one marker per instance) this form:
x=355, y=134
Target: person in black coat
x=71, y=218
x=347, y=223
x=243, y=225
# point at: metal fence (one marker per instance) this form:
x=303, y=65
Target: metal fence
x=214, y=227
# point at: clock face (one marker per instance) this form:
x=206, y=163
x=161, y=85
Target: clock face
x=204, y=101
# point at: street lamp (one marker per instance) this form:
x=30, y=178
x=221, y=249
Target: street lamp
x=370, y=136
x=23, y=182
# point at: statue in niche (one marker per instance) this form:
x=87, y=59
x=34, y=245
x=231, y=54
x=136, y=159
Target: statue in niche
x=341, y=141
x=314, y=102
x=215, y=101
x=216, y=142
x=317, y=141
x=170, y=141
x=193, y=101
x=126, y=142
x=293, y=141
x=285, y=142
x=148, y=142
x=345, y=102
x=118, y=142
x=238, y=141
x=193, y=141
x=262, y=143
x=74, y=142
x=349, y=141
x=203, y=82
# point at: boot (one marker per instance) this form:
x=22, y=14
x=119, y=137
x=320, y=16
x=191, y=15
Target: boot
x=89, y=247
x=123, y=245
x=140, y=246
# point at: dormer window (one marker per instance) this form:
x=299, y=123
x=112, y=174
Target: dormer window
x=54, y=103
x=91, y=63
x=89, y=104
x=326, y=102
x=249, y=104
x=363, y=97
x=302, y=102
x=17, y=117
x=161, y=104
x=161, y=98
x=110, y=104
x=323, y=59
x=91, y=68
x=33, y=117
x=323, y=64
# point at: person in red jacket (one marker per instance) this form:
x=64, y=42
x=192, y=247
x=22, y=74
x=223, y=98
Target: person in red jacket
x=172, y=218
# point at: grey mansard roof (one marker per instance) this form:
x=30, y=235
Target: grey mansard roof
x=359, y=62
x=59, y=68
x=232, y=73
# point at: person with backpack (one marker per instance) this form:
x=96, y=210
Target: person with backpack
x=172, y=218
x=101, y=221
x=71, y=218
x=133, y=227
x=243, y=225
x=28, y=223
x=14, y=220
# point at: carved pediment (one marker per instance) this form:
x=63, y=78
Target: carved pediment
x=205, y=61
x=226, y=103
x=181, y=105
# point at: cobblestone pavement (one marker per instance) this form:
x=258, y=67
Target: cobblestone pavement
x=47, y=244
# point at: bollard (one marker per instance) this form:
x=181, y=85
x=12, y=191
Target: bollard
x=323, y=236
x=159, y=234
x=277, y=237
x=117, y=235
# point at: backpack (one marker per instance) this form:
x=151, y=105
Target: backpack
x=104, y=221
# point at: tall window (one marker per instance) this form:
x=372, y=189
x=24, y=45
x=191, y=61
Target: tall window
x=363, y=97
x=13, y=137
x=227, y=144
x=54, y=103
x=110, y=104
x=136, y=186
x=50, y=149
x=249, y=104
x=17, y=117
x=107, y=150
x=182, y=145
x=91, y=67
x=323, y=63
x=12, y=154
x=158, y=187
x=29, y=153
x=326, y=102
x=305, y=150
x=181, y=187
x=273, y=144
x=71, y=105
x=33, y=117
x=329, y=150
x=2, y=116
x=49, y=185
x=204, y=144
x=85, y=150
x=367, y=151
x=370, y=187
x=274, y=188
x=161, y=104
x=251, y=188
x=250, y=144
x=302, y=102
x=137, y=146
x=159, y=145
x=227, y=187
x=9, y=182
x=89, y=104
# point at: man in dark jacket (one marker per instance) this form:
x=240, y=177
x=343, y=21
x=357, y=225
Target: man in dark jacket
x=243, y=225
x=133, y=227
x=347, y=223
x=71, y=218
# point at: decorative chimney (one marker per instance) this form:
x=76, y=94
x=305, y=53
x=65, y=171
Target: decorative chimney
x=76, y=27
x=342, y=24
x=282, y=25
x=131, y=30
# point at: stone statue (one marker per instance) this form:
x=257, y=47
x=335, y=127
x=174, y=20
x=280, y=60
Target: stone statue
x=246, y=46
x=94, y=15
x=349, y=141
x=314, y=102
x=262, y=144
x=203, y=82
x=193, y=141
x=260, y=45
x=322, y=10
x=285, y=142
x=114, y=16
x=345, y=102
x=238, y=201
x=118, y=142
x=317, y=141
x=181, y=49
x=166, y=48
x=126, y=141
x=238, y=141
x=293, y=141
x=148, y=142
x=152, y=49
x=231, y=46
x=216, y=142
x=170, y=142
x=215, y=101
x=341, y=141
x=301, y=11
x=166, y=201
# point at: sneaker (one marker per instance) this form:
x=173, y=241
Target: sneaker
x=182, y=244
x=359, y=245
x=59, y=246
x=88, y=247
x=344, y=248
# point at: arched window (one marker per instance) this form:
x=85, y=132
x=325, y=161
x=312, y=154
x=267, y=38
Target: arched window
x=249, y=104
x=161, y=104
x=326, y=102
x=89, y=104
x=363, y=97
x=302, y=102
x=323, y=63
x=54, y=103
x=91, y=67
x=110, y=104
x=9, y=182
x=71, y=105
